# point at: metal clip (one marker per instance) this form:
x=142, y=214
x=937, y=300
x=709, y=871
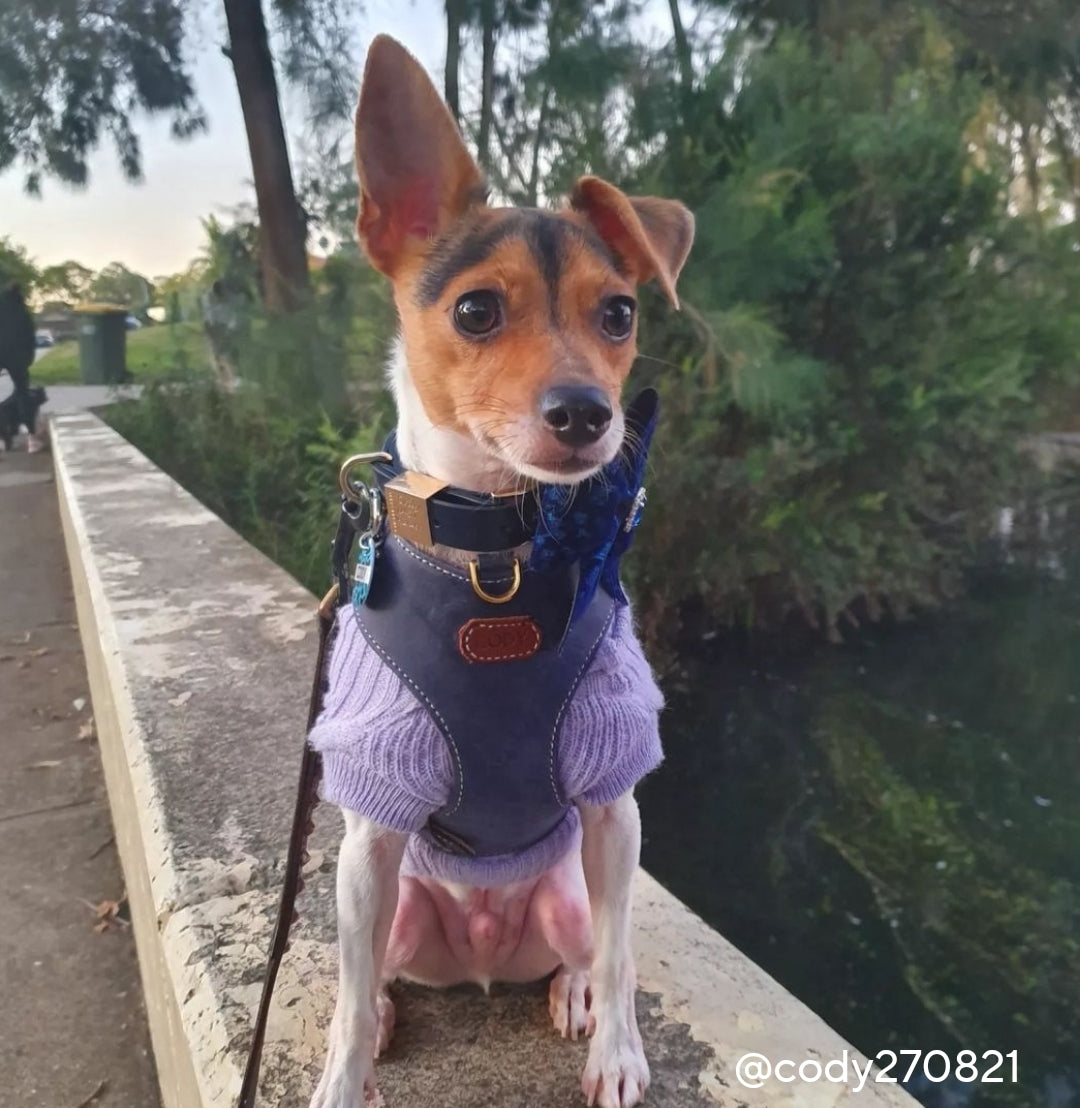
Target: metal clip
x=345, y=475
x=637, y=509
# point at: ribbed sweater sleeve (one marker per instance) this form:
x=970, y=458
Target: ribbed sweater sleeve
x=610, y=738
x=383, y=756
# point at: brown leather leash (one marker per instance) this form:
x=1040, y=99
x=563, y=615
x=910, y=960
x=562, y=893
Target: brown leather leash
x=356, y=515
x=307, y=796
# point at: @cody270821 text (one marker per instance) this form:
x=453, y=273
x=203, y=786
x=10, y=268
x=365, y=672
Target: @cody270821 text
x=889, y=1067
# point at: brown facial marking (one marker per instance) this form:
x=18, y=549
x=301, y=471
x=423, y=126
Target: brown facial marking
x=553, y=276
x=423, y=222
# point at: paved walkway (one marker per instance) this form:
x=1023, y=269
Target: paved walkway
x=72, y=1025
x=77, y=398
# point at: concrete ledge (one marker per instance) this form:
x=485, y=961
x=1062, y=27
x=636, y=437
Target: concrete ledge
x=199, y=651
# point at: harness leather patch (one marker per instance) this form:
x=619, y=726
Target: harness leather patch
x=500, y=639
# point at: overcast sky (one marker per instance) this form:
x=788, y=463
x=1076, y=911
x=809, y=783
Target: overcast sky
x=154, y=227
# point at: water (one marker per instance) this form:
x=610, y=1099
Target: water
x=892, y=830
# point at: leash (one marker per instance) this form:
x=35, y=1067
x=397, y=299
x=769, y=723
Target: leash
x=351, y=522
x=307, y=796
x=422, y=510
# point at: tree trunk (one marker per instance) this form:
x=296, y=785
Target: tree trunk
x=1030, y=155
x=453, y=57
x=682, y=47
x=282, y=233
x=533, y=198
x=487, y=81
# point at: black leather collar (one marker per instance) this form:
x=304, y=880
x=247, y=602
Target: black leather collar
x=467, y=520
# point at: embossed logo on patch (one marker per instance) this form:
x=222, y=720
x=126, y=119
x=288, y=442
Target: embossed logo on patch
x=500, y=639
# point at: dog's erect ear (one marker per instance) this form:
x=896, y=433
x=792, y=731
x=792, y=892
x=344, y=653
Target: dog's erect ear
x=651, y=235
x=416, y=176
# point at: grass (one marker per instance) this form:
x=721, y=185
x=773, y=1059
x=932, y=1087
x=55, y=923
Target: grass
x=151, y=352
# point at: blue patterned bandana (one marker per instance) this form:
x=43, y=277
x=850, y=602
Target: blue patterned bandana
x=593, y=524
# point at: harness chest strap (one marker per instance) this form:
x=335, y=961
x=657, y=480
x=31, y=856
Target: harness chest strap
x=495, y=681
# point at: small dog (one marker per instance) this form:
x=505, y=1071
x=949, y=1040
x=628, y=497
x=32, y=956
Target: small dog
x=517, y=334
x=13, y=415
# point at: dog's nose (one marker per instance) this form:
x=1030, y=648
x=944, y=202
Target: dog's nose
x=577, y=414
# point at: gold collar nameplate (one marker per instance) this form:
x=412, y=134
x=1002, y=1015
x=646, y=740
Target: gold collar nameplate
x=406, y=505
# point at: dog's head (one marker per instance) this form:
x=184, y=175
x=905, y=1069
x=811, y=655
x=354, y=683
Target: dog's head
x=519, y=325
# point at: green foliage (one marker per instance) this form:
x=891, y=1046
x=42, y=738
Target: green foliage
x=16, y=268
x=116, y=284
x=71, y=73
x=258, y=459
x=870, y=326
x=266, y=457
x=317, y=55
x=65, y=283
x=870, y=333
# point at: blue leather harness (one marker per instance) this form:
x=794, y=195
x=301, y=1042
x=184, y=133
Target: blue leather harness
x=501, y=716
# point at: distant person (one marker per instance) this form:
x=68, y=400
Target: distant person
x=225, y=320
x=17, y=350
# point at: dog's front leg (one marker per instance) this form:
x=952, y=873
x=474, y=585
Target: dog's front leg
x=616, y=1073
x=367, y=889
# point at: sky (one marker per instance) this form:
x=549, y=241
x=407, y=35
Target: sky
x=154, y=227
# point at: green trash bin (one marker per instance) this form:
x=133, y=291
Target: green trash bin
x=102, y=343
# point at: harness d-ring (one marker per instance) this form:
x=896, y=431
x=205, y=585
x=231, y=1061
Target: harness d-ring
x=474, y=578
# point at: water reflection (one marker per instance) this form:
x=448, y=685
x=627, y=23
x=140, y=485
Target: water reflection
x=892, y=828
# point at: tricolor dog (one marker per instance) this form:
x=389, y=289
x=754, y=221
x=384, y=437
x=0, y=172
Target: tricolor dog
x=489, y=710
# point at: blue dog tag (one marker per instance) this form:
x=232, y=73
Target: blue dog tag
x=364, y=571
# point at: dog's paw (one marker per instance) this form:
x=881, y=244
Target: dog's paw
x=348, y=1081
x=384, y=1022
x=616, y=1073
x=568, y=1002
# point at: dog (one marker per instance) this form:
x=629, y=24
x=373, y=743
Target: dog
x=517, y=333
x=14, y=414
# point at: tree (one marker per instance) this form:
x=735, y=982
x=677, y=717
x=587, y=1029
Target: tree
x=116, y=284
x=72, y=72
x=574, y=54
x=67, y=283
x=75, y=71
x=455, y=15
x=487, y=80
x=283, y=235
x=16, y=268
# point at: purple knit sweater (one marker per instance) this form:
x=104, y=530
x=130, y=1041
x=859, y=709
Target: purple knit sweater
x=384, y=757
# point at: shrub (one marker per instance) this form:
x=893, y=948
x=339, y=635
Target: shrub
x=870, y=333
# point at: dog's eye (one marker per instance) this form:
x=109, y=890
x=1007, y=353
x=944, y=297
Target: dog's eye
x=477, y=313
x=618, y=317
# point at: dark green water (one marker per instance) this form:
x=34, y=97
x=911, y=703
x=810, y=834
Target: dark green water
x=892, y=830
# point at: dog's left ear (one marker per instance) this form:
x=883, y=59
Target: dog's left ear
x=652, y=236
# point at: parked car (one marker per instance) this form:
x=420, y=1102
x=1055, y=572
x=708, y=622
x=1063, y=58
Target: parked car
x=44, y=338
x=131, y=322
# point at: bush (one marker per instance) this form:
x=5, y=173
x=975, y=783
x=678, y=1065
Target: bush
x=266, y=457
x=870, y=334
x=266, y=466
